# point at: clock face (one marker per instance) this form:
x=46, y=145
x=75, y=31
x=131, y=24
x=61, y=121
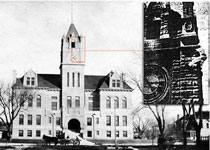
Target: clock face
x=74, y=58
x=155, y=83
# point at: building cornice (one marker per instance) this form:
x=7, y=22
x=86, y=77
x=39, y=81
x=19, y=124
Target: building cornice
x=109, y=89
x=36, y=88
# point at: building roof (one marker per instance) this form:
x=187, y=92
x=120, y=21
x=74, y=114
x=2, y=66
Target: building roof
x=44, y=80
x=72, y=29
x=96, y=82
x=205, y=115
x=92, y=82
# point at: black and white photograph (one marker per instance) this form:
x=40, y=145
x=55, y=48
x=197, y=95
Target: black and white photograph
x=175, y=53
x=102, y=75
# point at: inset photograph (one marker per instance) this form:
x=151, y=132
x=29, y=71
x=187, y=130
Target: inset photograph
x=175, y=53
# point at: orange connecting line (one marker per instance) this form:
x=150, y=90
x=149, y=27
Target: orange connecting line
x=73, y=38
x=111, y=50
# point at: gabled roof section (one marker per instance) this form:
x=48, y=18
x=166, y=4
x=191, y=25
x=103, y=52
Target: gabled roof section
x=96, y=82
x=92, y=81
x=49, y=80
x=44, y=80
x=72, y=30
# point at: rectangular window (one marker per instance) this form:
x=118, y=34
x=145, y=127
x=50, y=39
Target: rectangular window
x=113, y=83
x=54, y=105
x=77, y=101
x=89, y=133
x=69, y=102
x=117, y=134
x=29, y=133
x=38, y=101
x=54, y=97
x=78, y=77
x=38, y=133
x=58, y=121
x=116, y=103
x=108, y=133
x=72, y=44
x=124, y=133
x=21, y=119
x=29, y=119
x=97, y=120
x=20, y=133
x=30, y=101
x=124, y=103
x=50, y=132
x=50, y=119
x=73, y=78
x=32, y=81
x=124, y=120
x=207, y=125
x=28, y=81
x=90, y=103
x=38, y=119
x=97, y=132
x=108, y=103
x=117, y=120
x=89, y=121
x=118, y=83
x=67, y=79
x=108, y=120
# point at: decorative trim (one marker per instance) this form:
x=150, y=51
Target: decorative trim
x=36, y=88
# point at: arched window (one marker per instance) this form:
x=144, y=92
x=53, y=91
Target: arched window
x=108, y=102
x=30, y=101
x=116, y=102
x=38, y=101
x=124, y=102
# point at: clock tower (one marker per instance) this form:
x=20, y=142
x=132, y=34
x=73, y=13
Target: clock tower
x=72, y=78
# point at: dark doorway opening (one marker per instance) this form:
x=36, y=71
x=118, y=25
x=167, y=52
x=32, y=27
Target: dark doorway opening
x=74, y=125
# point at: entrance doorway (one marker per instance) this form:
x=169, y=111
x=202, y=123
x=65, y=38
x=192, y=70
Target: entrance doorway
x=74, y=125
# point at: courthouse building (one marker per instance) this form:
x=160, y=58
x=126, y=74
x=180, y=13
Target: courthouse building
x=95, y=106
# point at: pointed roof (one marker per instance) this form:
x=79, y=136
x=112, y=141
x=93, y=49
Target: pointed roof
x=72, y=29
x=44, y=80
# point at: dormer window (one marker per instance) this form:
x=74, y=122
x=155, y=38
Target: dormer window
x=32, y=81
x=30, y=78
x=118, y=83
x=115, y=83
x=28, y=81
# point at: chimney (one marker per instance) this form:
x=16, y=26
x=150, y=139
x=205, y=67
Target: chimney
x=122, y=79
x=14, y=76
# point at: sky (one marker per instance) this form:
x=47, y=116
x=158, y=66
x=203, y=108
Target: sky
x=31, y=35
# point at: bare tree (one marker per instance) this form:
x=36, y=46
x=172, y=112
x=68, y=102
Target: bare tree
x=11, y=102
x=140, y=124
x=135, y=78
x=191, y=117
x=158, y=113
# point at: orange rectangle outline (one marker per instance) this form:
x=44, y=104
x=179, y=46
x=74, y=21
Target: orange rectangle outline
x=84, y=49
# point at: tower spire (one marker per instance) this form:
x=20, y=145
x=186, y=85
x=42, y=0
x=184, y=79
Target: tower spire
x=72, y=12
